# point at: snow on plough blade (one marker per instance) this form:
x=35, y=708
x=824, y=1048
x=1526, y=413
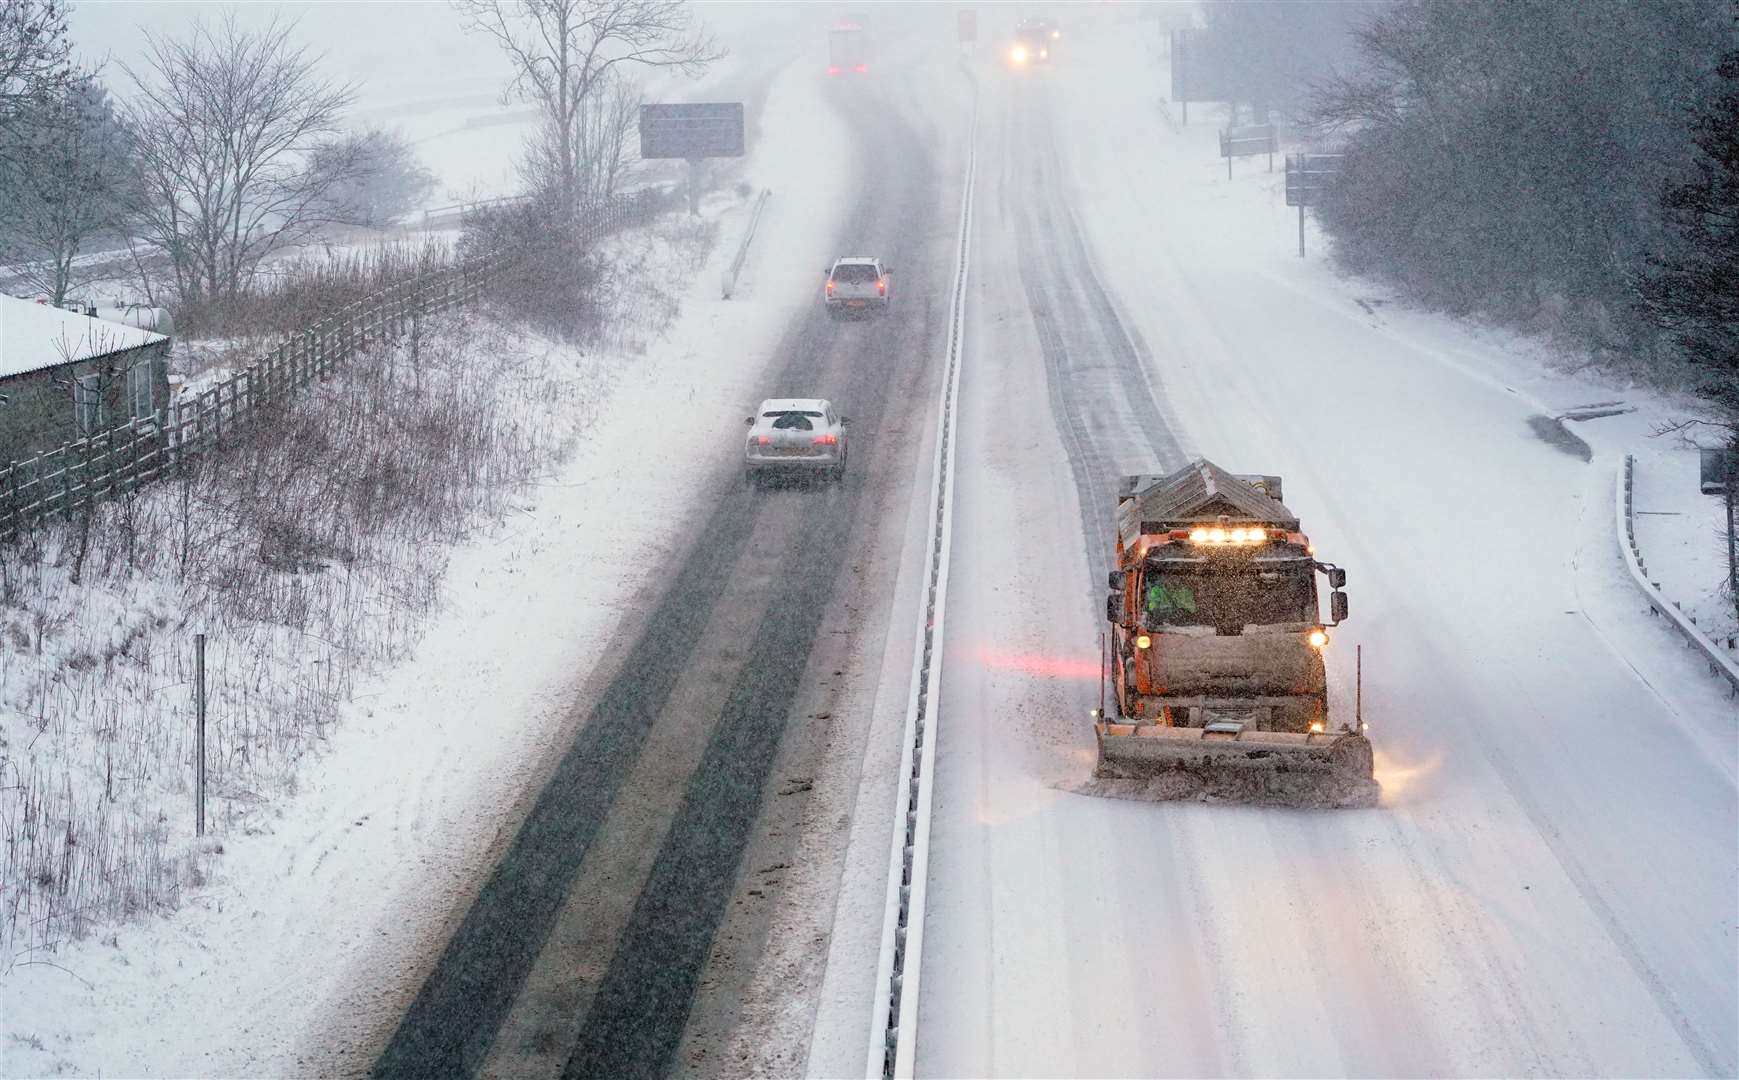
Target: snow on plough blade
x=1280, y=768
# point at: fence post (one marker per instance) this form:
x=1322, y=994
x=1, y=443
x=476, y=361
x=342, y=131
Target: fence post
x=199, y=729
x=66, y=480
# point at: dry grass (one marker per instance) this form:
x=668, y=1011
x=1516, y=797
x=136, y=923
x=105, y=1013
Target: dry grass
x=310, y=550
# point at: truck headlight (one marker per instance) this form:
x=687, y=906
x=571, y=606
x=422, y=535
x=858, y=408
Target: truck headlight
x=1318, y=638
x=1142, y=641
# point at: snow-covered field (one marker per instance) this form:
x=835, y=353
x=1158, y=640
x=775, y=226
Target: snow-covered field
x=311, y=931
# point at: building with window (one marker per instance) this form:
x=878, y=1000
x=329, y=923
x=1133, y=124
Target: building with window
x=67, y=376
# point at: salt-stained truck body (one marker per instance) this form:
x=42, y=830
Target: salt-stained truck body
x=1215, y=656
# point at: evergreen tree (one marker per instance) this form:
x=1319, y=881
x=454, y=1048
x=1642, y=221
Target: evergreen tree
x=1693, y=291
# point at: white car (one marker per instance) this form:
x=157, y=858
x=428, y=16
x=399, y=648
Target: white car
x=802, y=436
x=856, y=285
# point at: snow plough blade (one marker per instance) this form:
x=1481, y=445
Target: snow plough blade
x=1280, y=768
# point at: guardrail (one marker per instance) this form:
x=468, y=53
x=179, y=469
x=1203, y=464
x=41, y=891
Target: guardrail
x=894, y=1019
x=729, y=284
x=1721, y=661
x=79, y=473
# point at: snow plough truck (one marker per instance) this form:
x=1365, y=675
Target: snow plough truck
x=1214, y=660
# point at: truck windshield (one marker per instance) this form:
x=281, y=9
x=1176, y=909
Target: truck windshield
x=1226, y=600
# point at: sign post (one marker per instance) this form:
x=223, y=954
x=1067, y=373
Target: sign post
x=1247, y=142
x=693, y=133
x=1719, y=475
x=199, y=734
x=1306, y=177
x=1195, y=75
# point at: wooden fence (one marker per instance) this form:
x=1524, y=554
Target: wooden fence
x=124, y=458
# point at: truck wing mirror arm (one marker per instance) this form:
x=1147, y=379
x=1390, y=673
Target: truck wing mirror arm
x=1337, y=577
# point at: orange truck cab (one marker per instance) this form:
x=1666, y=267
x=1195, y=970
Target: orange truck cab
x=1215, y=613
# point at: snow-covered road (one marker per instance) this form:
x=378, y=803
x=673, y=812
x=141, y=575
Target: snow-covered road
x=1549, y=886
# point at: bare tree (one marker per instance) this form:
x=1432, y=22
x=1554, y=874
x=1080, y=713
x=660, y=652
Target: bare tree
x=237, y=138
x=385, y=179
x=65, y=177
x=35, y=55
x=565, y=51
x=606, y=120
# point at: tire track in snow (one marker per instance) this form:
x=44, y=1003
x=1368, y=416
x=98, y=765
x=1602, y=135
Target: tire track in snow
x=1096, y=372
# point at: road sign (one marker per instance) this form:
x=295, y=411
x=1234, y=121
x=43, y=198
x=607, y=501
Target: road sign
x=1718, y=468
x=1195, y=75
x=1308, y=174
x=968, y=21
x=1248, y=141
x=700, y=130
x=1306, y=177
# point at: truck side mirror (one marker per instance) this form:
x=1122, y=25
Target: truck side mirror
x=1337, y=578
x=1337, y=606
x=1115, y=580
x=1113, y=607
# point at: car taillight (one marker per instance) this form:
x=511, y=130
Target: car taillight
x=861, y=68
x=827, y=440
x=833, y=71
x=762, y=440
x=882, y=286
x=830, y=286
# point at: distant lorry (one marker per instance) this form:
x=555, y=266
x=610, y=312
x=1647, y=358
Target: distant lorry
x=847, y=50
x=1035, y=42
x=1215, y=655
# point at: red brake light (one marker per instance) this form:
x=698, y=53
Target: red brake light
x=833, y=71
x=827, y=440
x=882, y=286
x=861, y=68
x=763, y=440
x=830, y=286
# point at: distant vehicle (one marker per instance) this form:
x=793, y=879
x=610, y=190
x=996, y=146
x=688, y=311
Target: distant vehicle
x=795, y=436
x=856, y=285
x=847, y=50
x=1035, y=42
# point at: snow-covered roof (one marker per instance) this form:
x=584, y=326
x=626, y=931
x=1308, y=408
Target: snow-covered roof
x=35, y=336
x=795, y=404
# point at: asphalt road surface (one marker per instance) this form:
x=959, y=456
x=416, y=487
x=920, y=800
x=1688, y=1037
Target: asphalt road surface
x=584, y=952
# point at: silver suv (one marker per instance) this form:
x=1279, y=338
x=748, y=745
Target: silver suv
x=795, y=436
x=856, y=285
